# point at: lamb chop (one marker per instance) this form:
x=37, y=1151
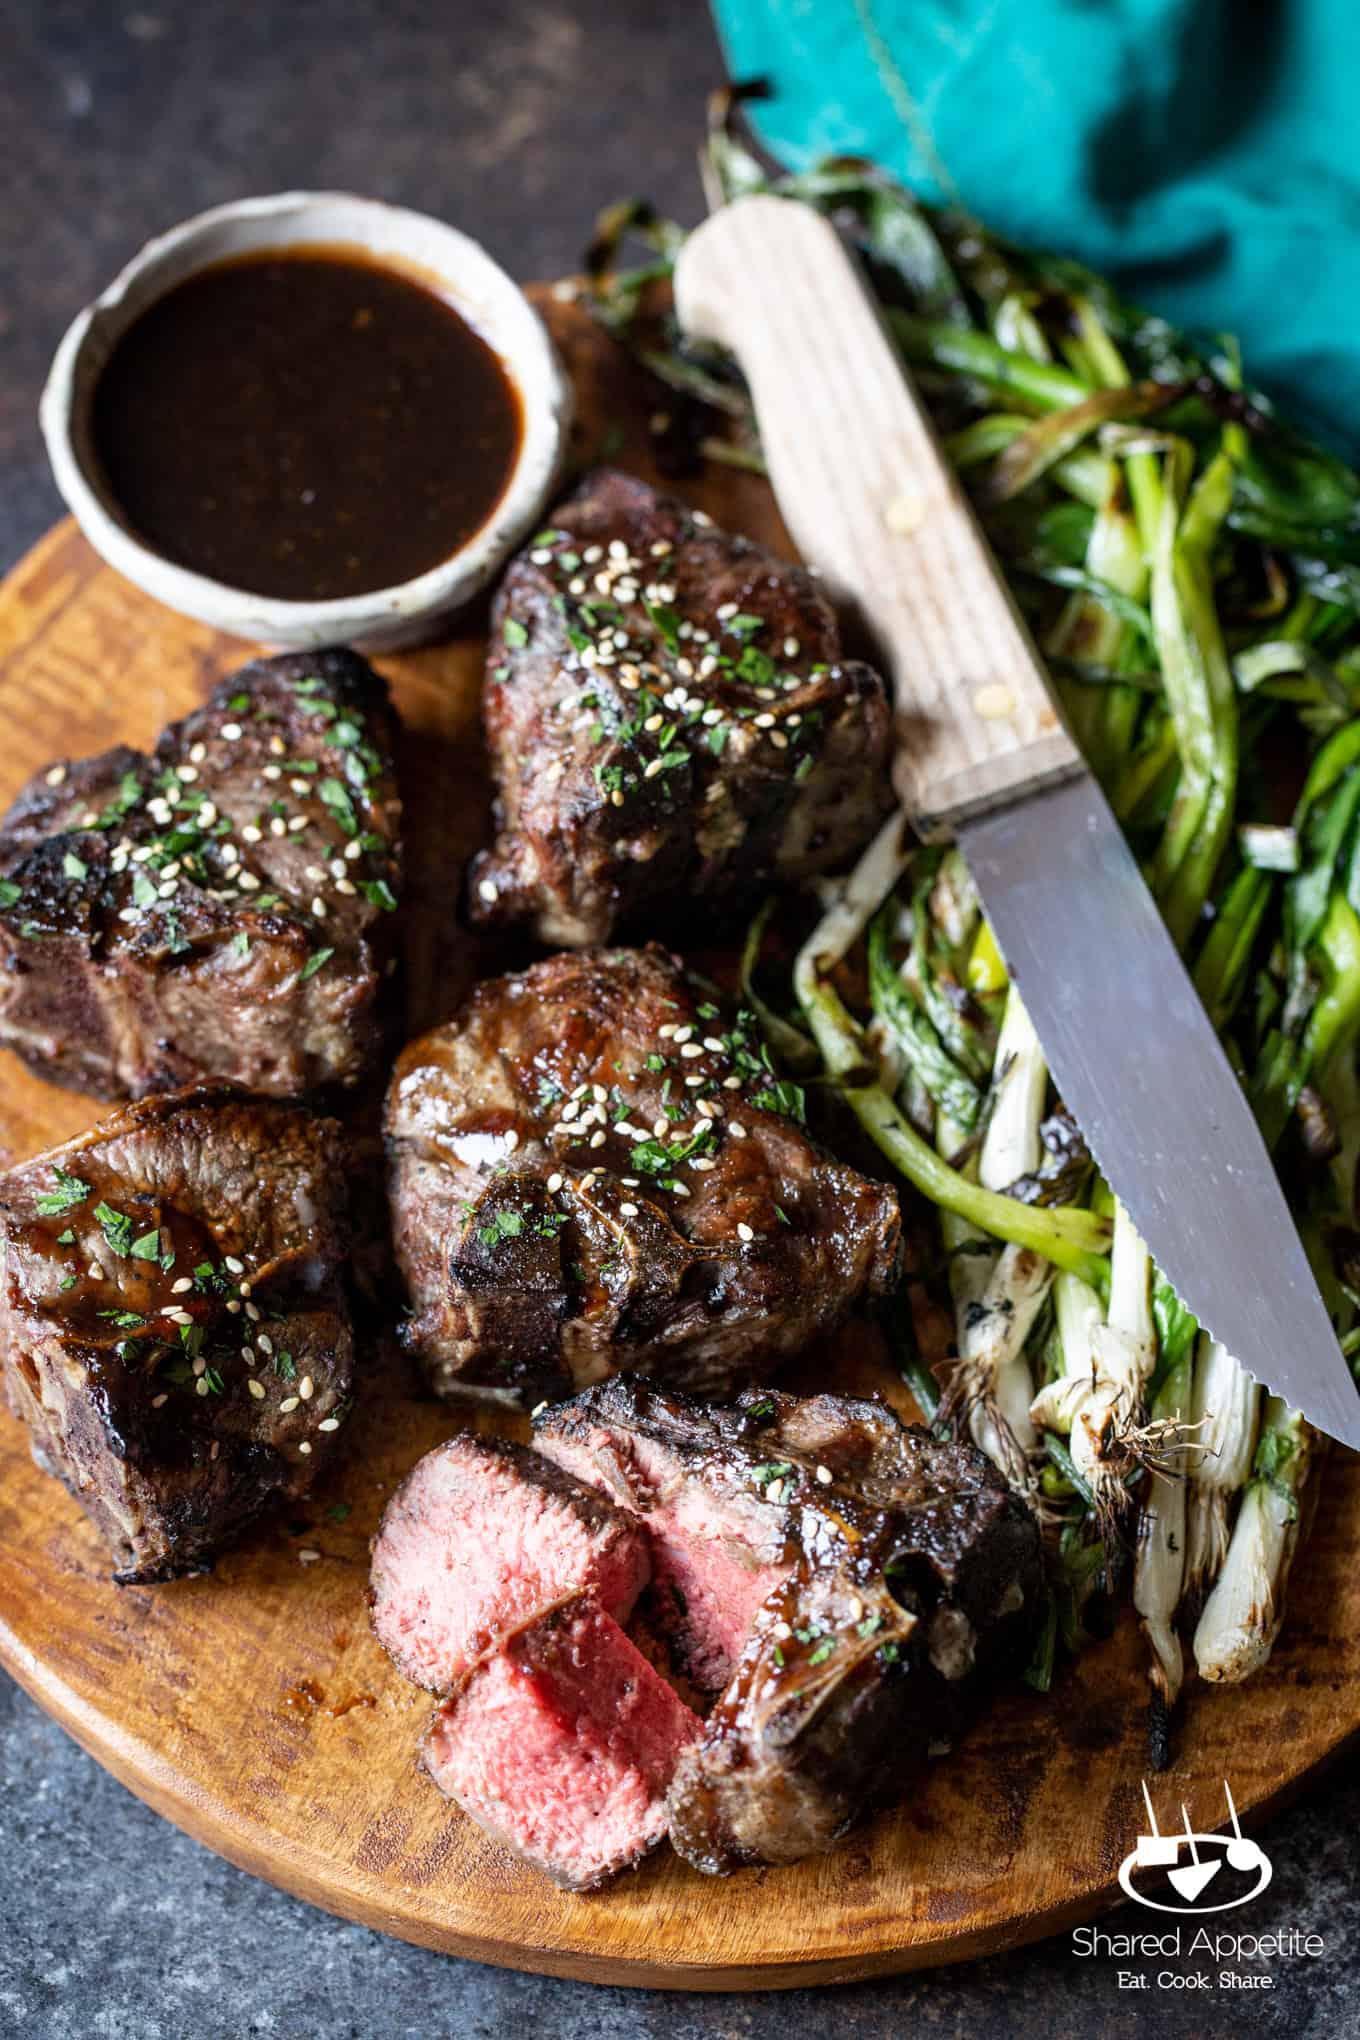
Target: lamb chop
x=592, y=1171
x=221, y=908
x=483, y=1534
x=501, y=1582
x=173, y=1319
x=668, y=719
x=847, y=1578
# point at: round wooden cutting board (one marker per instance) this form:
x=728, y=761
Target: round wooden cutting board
x=254, y=1708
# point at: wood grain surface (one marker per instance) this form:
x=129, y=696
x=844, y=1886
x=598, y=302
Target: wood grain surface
x=254, y=1709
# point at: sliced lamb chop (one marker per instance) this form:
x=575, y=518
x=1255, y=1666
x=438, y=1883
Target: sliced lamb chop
x=851, y=1575
x=669, y=719
x=562, y=1744
x=592, y=1171
x=173, y=1319
x=219, y=909
x=481, y=1536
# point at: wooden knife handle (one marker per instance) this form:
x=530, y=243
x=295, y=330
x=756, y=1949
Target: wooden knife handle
x=870, y=502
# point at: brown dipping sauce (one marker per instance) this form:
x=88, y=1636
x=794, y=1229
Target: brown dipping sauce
x=305, y=424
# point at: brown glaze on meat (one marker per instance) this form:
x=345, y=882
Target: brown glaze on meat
x=173, y=1319
x=220, y=909
x=896, y=1567
x=565, y=1207
x=668, y=719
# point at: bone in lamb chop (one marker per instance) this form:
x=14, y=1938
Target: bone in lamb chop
x=592, y=1170
x=844, y=1580
x=669, y=720
x=173, y=1319
x=219, y=909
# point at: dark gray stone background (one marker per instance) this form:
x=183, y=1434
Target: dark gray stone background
x=516, y=119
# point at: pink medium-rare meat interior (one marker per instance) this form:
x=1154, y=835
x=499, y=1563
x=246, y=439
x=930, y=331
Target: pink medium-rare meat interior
x=562, y=1746
x=481, y=1536
x=717, y=1548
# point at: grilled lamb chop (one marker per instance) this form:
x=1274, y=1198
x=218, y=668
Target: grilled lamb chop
x=590, y=1172
x=483, y=1535
x=218, y=909
x=173, y=1320
x=668, y=718
x=876, y=1569
x=562, y=1743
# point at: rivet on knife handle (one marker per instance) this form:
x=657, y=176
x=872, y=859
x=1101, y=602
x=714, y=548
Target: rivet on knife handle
x=869, y=500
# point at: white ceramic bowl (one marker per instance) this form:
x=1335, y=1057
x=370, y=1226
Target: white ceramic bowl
x=435, y=254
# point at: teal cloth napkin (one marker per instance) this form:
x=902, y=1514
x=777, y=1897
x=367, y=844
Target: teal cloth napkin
x=1205, y=154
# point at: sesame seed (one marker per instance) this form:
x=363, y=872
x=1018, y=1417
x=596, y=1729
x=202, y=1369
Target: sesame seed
x=702, y=1162
x=653, y=766
x=233, y=1266
x=765, y=722
x=270, y=772
x=244, y=1288
x=576, y=586
x=355, y=850
x=512, y=1140
x=660, y=1126
x=159, y=1401
x=249, y=882
x=726, y=609
x=712, y=1044
x=252, y=1310
x=177, y=1314
x=296, y=824
x=824, y=1475
x=278, y=827
x=692, y=1048
x=599, y=1093
x=570, y=1109
x=329, y=1424
x=597, y=1139
x=248, y=1355
x=318, y=906
x=693, y=1083
x=737, y=1131
x=731, y=1083
x=234, y=1307
x=682, y=1033
x=95, y=1272
x=592, y=554
x=307, y=1556
x=540, y=556
x=198, y=752
x=188, y=772
x=779, y=740
x=628, y=1210
x=554, y=1181
x=791, y=648
x=306, y=1388
x=617, y=798
x=277, y=747
x=653, y=723
x=290, y=1402
x=346, y=886
x=666, y=1029
x=744, y=1232
x=264, y=1343
x=201, y=1387
x=232, y=732
x=304, y=1447
x=256, y=1388
x=168, y=890
x=178, y=1288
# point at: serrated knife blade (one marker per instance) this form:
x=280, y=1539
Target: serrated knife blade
x=1138, y=1064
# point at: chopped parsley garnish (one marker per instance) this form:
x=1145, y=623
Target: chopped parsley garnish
x=775, y=1470
x=379, y=893
x=782, y=1096
x=339, y=1512
x=117, y=1229
x=148, y=1247
x=284, y=1366
x=69, y=1192
x=73, y=866
x=10, y=893
x=126, y=1320
x=505, y=1225
x=315, y=962
x=823, y=1651
x=514, y=633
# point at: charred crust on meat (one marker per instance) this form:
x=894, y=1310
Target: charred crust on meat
x=218, y=910
x=884, y=1573
x=589, y=1173
x=173, y=1318
x=668, y=718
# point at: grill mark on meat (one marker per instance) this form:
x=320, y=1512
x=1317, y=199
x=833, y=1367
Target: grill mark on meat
x=668, y=718
x=173, y=1320
x=482, y=1535
x=550, y=1236
x=219, y=909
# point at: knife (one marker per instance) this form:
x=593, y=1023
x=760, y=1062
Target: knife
x=983, y=754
